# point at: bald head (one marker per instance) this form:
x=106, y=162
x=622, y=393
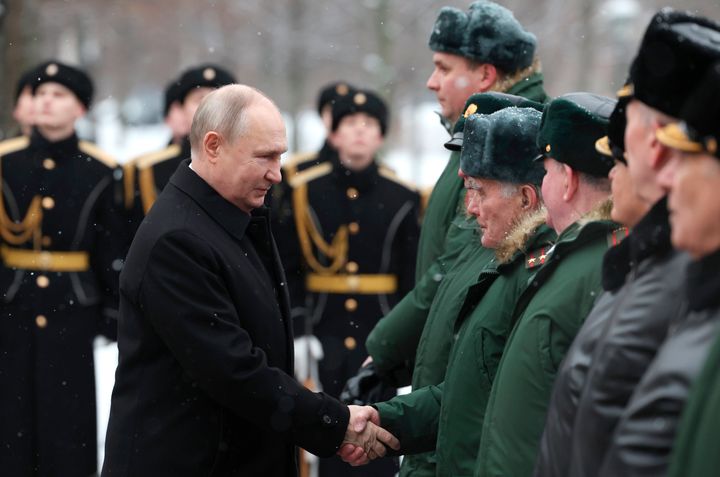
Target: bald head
x=224, y=111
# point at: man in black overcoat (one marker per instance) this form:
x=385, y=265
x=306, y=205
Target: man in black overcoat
x=204, y=382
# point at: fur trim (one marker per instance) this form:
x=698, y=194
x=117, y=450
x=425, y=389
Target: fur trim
x=509, y=80
x=600, y=212
x=517, y=239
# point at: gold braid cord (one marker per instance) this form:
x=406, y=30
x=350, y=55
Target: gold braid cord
x=148, y=191
x=31, y=226
x=309, y=235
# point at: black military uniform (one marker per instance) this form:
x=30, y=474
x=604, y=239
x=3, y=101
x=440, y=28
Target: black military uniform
x=357, y=235
x=279, y=200
x=60, y=242
x=147, y=175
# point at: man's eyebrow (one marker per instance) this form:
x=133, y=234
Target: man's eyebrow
x=270, y=151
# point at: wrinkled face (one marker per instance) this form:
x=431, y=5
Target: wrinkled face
x=177, y=120
x=453, y=81
x=639, y=137
x=628, y=208
x=357, y=139
x=495, y=207
x=56, y=107
x=248, y=166
x=192, y=101
x=694, y=204
x=24, y=111
x=554, y=185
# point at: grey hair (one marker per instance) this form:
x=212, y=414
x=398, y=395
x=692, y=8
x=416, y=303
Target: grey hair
x=223, y=111
x=601, y=184
x=509, y=189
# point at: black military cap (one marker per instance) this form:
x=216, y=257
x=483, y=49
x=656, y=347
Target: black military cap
x=486, y=33
x=171, y=95
x=675, y=52
x=360, y=101
x=571, y=125
x=331, y=93
x=207, y=75
x=25, y=80
x=486, y=103
x=612, y=146
x=699, y=129
x=501, y=146
x=72, y=78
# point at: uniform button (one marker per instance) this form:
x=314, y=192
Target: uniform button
x=352, y=267
x=351, y=304
x=354, y=227
x=48, y=203
x=46, y=241
x=326, y=419
x=42, y=281
x=48, y=164
x=41, y=321
x=352, y=193
x=350, y=343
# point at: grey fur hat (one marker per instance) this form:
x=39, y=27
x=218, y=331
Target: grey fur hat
x=486, y=33
x=501, y=146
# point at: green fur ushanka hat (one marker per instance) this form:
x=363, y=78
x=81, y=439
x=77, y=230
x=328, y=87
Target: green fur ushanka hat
x=571, y=124
x=501, y=146
x=486, y=33
x=486, y=103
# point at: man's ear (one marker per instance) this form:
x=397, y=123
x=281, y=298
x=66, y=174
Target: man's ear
x=211, y=146
x=529, y=196
x=571, y=183
x=659, y=152
x=486, y=77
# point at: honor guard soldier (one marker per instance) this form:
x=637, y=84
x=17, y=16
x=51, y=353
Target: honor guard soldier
x=60, y=239
x=280, y=198
x=147, y=175
x=357, y=230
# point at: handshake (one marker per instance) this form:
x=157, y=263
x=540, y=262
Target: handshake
x=364, y=439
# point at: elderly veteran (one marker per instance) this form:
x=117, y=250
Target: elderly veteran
x=695, y=209
x=646, y=432
x=482, y=49
x=504, y=197
x=551, y=309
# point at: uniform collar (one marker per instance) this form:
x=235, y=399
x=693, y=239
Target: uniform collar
x=63, y=147
x=649, y=238
x=362, y=180
x=228, y=216
x=703, y=282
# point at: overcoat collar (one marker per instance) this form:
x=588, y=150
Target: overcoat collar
x=227, y=215
x=649, y=238
x=703, y=280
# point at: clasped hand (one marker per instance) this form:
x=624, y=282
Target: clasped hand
x=364, y=439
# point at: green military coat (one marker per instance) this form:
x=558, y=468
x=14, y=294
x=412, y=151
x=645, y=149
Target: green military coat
x=547, y=317
x=449, y=416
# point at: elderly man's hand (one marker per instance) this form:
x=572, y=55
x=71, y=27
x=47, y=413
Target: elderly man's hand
x=364, y=439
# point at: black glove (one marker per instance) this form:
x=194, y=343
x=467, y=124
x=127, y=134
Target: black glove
x=367, y=387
